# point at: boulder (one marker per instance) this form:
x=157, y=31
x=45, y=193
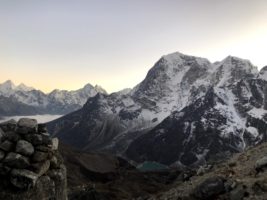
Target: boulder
x=12, y=136
x=55, y=144
x=54, y=162
x=4, y=170
x=35, y=139
x=9, y=125
x=209, y=189
x=43, y=148
x=26, y=125
x=23, y=179
x=16, y=160
x=42, y=128
x=260, y=186
x=1, y=135
x=7, y=146
x=41, y=168
x=238, y=193
x=24, y=147
x=46, y=139
x=39, y=156
x=261, y=163
x=2, y=154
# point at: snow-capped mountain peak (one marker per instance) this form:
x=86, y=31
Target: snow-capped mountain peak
x=7, y=87
x=185, y=110
x=24, y=87
x=263, y=73
x=55, y=102
x=178, y=58
x=100, y=89
x=232, y=69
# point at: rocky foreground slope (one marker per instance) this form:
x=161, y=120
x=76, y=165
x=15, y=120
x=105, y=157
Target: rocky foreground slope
x=30, y=165
x=31, y=168
x=242, y=177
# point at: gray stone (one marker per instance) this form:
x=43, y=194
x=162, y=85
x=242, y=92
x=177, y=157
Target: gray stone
x=2, y=154
x=54, y=164
x=39, y=156
x=26, y=125
x=43, y=148
x=12, y=136
x=4, y=170
x=46, y=134
x=210, y=188
x=7, y=146
x=9, y=125
x=41, y=168
x=35, y=139
x=203, y=169
x=238, y=193
x=24, y=147
x=23, y=179
x=46, y=139
x=16, y=160
x=2, y=134
x=261, y=163
x=29, y=123
x=55, y=144
x=42, y=128
x=260, y=186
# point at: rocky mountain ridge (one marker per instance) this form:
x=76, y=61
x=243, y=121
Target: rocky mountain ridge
x=183, y=103
x=27, y=100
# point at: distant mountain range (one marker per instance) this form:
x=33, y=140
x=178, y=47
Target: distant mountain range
x=187, y=110
x=24, y=100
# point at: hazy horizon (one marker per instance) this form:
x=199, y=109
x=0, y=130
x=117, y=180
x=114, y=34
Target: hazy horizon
x=81, y=86
x=54, y=45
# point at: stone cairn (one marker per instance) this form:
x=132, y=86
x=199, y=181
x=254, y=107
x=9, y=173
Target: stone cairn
x=28, y=156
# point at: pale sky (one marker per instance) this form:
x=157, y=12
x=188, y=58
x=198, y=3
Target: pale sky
x=65, y=44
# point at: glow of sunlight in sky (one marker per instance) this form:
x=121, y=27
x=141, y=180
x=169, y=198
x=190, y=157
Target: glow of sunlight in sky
x=113, y=43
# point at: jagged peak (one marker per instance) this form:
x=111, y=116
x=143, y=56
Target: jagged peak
x=231, y=58
x=263, y=73
x=231, y=62
x=263, y=70
x=24, y=87
x=100, y=89
x=88, y=85
x=178, y=57
x=9, y=83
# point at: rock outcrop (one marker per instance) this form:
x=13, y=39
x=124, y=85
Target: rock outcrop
x=30, y=165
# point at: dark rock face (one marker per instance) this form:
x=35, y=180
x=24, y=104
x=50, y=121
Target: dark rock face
x=25, y=163
x=209, y=189
x=223, y=121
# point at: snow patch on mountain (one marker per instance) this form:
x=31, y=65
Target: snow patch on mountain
x=56, y=102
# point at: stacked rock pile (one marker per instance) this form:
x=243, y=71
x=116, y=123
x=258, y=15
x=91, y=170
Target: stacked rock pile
x=28, y=154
